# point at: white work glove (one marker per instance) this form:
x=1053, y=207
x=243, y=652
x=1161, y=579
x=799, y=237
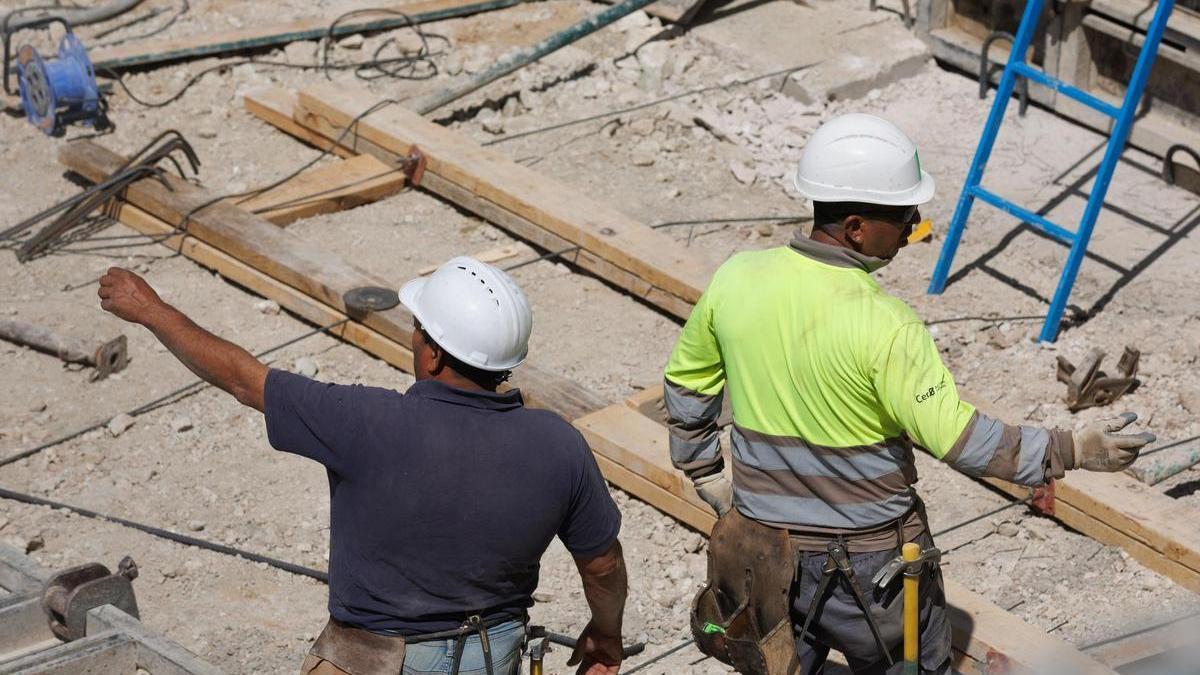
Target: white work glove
x=716, y=491
x=1098, y=446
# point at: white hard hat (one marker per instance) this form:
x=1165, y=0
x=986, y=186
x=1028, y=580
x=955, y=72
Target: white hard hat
x=862, y=158
x=474, y=311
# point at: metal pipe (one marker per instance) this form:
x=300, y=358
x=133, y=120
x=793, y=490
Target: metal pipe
x=106, y=357
x=286, y=36
x=524, y=56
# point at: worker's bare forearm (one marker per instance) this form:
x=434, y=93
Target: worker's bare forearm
x=215, y=360
x=605, y=585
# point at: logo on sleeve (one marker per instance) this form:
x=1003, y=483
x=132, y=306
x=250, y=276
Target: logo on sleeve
x=929, y=393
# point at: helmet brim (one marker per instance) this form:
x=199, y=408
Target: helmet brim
x=921, y=193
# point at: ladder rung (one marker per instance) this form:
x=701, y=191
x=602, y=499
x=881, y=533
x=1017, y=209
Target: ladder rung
x=1028, y=71
x=1054, y=230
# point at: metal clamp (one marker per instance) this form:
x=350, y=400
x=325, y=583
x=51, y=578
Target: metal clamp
x=72, y=593
x=909, y=568
x=1088, y=386
x=1168, y=169
x=985, y=71
x=413, y=166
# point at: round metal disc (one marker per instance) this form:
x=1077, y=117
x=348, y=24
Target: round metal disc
x=370, y=299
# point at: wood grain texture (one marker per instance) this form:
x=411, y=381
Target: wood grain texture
x=275, y=106
x=631, y=246
x=302, y=266
x=330, y=188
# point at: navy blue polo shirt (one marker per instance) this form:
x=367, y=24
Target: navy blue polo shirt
x=442, y=500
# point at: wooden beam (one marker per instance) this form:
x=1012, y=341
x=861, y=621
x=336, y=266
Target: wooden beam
x=632, y=450
x=276, y=106
x=333, y=187
x=304, y=267
x=141, y=53
x=650, y=257
x=492, y=255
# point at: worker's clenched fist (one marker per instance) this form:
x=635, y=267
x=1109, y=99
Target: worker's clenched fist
x=1099, y=446
x=128, y=296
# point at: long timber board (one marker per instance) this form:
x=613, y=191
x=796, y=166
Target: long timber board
x=651, y=264
x=307, y=268
x=143, y=53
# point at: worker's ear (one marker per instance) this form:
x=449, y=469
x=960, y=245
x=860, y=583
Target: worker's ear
x=437, y=357
x=854, y=227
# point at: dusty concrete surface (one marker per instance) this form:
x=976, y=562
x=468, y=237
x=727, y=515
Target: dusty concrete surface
x=202, y=465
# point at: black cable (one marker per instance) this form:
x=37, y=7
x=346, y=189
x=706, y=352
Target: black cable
x=169, y=535
x=982, y=516
x=660, y=657
x=650, y=104
x=1147, y=453
x=185, y=390
x=392, y=67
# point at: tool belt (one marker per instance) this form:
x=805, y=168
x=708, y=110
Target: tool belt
x=362, y=652
x=741, y=616
x=359, y=651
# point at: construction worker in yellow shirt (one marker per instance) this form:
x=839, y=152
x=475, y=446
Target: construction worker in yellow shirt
x=832, y=382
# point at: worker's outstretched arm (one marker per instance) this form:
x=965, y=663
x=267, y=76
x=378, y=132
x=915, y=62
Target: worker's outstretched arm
x=693, y=388
x=605, y=585
x=218, y=362
x=919, y=393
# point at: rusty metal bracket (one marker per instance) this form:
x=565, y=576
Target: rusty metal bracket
x=72, y=593
x=1088, y=386
x=1042, y=499
x=413, y=165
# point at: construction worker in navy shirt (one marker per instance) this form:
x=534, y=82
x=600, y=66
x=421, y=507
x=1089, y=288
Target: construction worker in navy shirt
x=435, y=534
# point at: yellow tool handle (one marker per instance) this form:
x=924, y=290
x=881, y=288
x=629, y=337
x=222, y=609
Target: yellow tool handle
x=911, y=552
x=535, y=667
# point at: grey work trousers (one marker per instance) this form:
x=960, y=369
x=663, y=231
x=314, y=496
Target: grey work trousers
x=839, y=623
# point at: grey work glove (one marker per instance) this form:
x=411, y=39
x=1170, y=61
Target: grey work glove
x=716, y=491
x=1098, y=446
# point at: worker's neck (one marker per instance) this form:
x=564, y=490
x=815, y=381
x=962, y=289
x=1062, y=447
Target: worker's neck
x=823, y=237
x=452, y=379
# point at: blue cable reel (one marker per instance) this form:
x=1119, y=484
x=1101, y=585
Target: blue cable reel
x=55, y=92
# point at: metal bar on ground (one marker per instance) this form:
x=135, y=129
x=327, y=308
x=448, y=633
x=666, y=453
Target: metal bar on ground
x=519, y=58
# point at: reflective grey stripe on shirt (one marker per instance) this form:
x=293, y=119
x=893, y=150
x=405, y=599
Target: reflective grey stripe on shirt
x=989, y=447
x=787, y=481
x=695, y=437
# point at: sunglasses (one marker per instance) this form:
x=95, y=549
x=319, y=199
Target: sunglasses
x=905, y=216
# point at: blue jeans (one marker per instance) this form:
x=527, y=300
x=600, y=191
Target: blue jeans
x=437, y=656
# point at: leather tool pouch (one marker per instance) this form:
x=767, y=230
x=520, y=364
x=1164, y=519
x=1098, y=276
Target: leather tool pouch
x=741, y=616
x=358, y=651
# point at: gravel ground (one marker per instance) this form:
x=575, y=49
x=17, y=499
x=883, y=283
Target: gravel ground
x=202, y=465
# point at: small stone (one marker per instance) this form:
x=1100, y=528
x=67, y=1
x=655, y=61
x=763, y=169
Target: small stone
x=36, y=543
x=1189, y=398
x=454, y=64
x=512, y=107
x=119, y=424
x=642, y=126
x=693, y=543
x=645, y=153
x=543, y=596
x=492, y=121
x=300, y=52
x=181, y=424
x=306, y=366
x=196, y=525
x=37, y=407
x=267, y=307
x=207, y=133
x=351, y=42
x=743, y=172
x=1007, y=529
x=764, y=230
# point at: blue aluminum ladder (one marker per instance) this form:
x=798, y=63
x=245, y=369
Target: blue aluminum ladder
x=1124, y=117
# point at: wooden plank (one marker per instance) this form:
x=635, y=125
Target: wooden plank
x=260, y=36
x=490, y=256
x=632, y=451
x=627, y=244
x=275, y=107
x=370, y=341
x=306, y=268
x=333, y=187
x=1117, y=509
